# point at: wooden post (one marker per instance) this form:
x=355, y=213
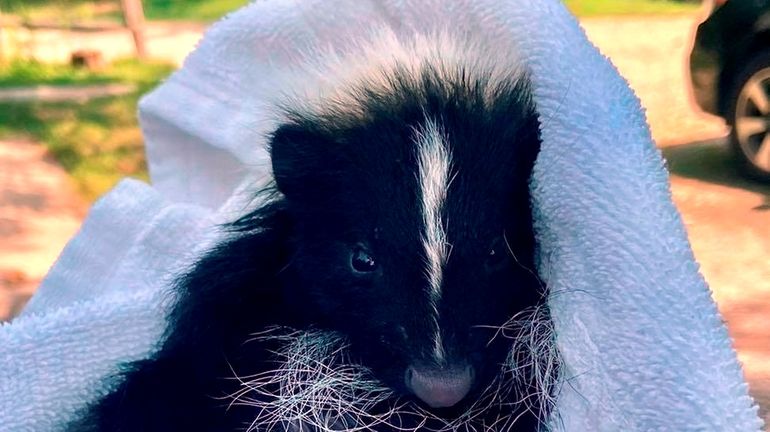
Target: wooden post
x=133, y=14
x=2, y=45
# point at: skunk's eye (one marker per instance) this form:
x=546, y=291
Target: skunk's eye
x=498, y=255
x=362, y=261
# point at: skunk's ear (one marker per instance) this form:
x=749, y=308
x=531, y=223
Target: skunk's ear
x=305, y=160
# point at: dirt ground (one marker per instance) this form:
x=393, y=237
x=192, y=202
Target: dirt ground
x=39, y=211
x=727, y=217
x=169, y=41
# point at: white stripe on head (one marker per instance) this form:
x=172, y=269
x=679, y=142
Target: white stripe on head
x=435, y=160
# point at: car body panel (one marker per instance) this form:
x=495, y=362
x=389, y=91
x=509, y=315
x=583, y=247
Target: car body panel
x=724, y=42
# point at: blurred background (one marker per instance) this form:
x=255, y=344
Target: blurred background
x=71, y=73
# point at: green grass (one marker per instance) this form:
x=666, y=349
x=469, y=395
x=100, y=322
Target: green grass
x=211, y=10
x=69, y=11
x=26, y=73
x=61, y=11
x=630, y=7
x=190, y=10
x=98, y=142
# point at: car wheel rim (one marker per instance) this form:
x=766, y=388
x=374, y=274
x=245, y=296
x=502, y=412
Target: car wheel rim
x=752, y=120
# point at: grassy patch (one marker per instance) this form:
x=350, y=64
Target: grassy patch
x=98, y=142
x=211, y=10
x=630, y=7
x=69, y=11
x=26, y=73
x=190, y=10
x=61, y=11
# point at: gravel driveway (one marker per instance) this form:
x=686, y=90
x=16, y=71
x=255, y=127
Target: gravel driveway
x=651, y=53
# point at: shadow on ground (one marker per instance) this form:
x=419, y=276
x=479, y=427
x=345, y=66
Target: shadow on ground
x=747, y=323
x=760, y=391
x=712, y=161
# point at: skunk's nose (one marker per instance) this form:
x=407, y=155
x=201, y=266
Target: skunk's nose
x=440, y=388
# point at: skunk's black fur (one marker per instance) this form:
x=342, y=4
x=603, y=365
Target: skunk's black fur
x=347, y=184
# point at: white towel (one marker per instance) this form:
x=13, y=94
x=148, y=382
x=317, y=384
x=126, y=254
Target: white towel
x=100, y=304
x=642, y=343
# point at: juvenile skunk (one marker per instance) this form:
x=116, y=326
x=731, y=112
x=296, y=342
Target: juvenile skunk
x=385, y=282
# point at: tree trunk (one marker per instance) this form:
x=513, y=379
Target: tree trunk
x=133, y=15
x=2, y=45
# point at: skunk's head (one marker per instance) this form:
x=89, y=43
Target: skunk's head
x=411, y=223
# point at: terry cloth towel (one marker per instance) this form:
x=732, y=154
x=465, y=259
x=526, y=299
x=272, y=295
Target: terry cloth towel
x=642, y=344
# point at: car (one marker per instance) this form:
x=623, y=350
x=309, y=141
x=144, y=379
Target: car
x=730, y=76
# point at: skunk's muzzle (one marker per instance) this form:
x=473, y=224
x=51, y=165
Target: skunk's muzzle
x=440, y=387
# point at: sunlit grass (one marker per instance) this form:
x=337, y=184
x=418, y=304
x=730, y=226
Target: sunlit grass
x=25, y=72
x=211, y=10
x=630, y=7
x=193, y=10
x=98, y=142
x=82, y=10
x=61, y=11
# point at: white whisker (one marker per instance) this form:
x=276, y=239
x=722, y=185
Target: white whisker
x=315, y=386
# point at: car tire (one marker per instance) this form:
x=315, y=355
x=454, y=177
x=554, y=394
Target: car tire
x=749, y=115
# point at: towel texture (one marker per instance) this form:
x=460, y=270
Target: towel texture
x=102, y=303
x=642, y=343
